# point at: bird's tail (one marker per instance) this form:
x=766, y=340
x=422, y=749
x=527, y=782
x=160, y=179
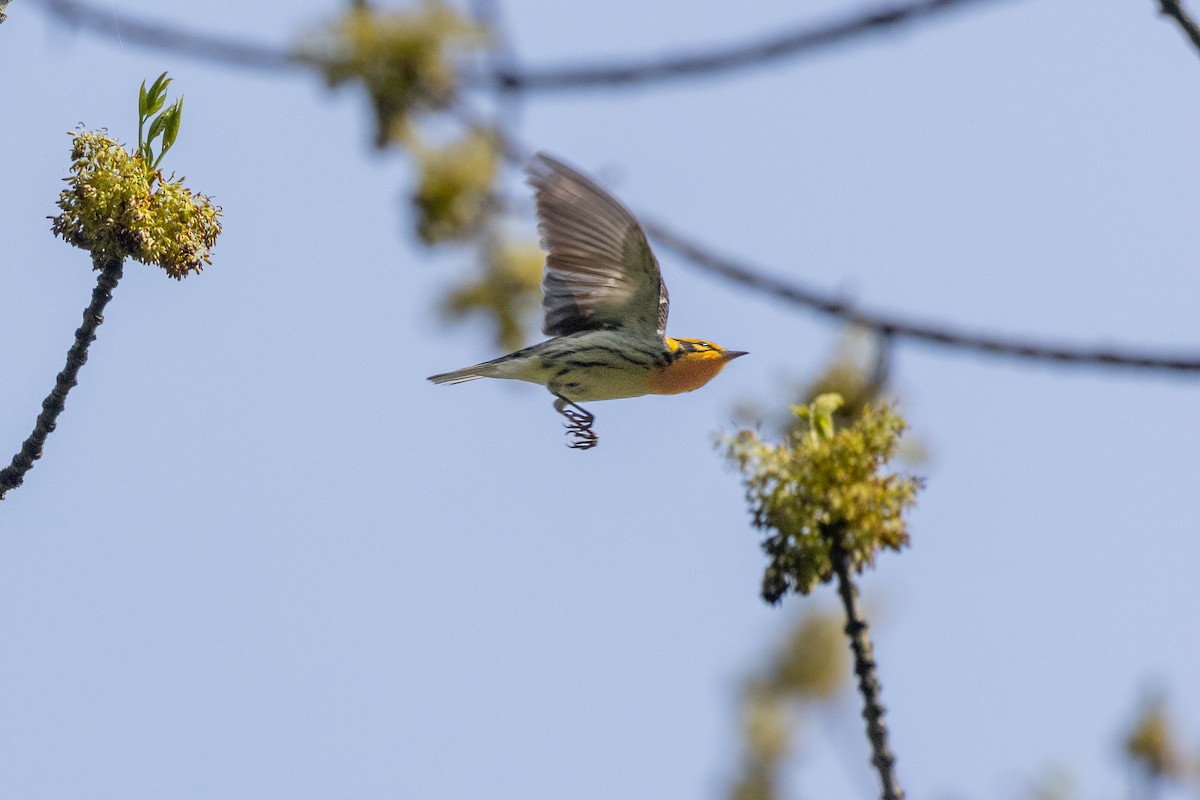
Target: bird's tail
x=485, y=370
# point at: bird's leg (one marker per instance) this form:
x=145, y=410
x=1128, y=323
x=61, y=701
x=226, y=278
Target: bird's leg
x=579, y=425
x=575, y=413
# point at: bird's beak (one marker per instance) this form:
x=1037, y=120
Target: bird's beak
x=730, y=355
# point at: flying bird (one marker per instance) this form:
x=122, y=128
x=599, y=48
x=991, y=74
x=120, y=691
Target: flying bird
x=605, y=305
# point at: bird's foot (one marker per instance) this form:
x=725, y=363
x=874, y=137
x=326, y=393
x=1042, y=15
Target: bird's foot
x=583, y=437
x=579, y=424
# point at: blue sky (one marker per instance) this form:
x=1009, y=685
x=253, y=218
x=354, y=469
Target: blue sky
x=262, y=557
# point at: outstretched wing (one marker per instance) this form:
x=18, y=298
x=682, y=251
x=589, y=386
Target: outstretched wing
x=600, y=272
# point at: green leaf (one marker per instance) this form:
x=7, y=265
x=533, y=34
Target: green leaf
x=153, y=104
x=822, y=414
x=157, y=95
x=171, y=128
x=158, y=82
x=142, y=104
x=156, y=127
x=159, y=86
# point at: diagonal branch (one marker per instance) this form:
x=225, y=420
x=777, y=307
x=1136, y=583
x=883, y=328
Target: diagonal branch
x=887, y=325
x=129, y=29
x=1174, y=9
x=793, y=43
x=920, y=330
x=13, y=475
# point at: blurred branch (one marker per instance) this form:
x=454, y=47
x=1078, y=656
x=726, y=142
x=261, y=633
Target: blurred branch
x=1174, y=9
x=216, y=48
x=504, y=73
x=891, y=326
x=502, y=59
x=921, y=330
x=131, y=30
x=793, y=43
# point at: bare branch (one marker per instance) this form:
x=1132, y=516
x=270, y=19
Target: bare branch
x=1174, y=9
x=13, y=475
x=731, y=57
x=128, y=29
x=921, y=330
x=502, y=59
x=242, y=54
x=506, y=75
x=864, y=666
x=889, y=326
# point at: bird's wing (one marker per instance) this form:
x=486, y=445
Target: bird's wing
x=600, y=272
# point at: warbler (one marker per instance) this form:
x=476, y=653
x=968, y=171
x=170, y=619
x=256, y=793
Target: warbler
x=605, y=304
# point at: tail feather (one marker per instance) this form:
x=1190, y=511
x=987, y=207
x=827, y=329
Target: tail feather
x=486, y=370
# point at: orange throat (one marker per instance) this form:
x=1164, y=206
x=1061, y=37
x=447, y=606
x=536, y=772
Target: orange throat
x=685, y=374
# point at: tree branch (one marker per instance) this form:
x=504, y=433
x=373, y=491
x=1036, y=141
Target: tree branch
x=793, y=43
x=1174, y=9
x=920, y=330
x=800, y=41
x=128, y=29
x=502, y=58
x=889, y=326
x=13, y=475
x=243, y=54
x=864, y=667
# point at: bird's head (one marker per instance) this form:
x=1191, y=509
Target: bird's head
x=694, y=362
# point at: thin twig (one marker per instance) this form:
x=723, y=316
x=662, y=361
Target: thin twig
x=920, y=330
x=793, y=43
x=1174, y=9
x=502, y=59
x=864, y=667
x=13, y=475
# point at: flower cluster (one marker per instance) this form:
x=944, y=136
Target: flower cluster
x=403, y=59
x=116, y=207
x=820, y=481
x=455, y=190
x=506, y=291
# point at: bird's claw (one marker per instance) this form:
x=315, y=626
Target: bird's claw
x=577, y=418
x=579, y=426
x=583, y=437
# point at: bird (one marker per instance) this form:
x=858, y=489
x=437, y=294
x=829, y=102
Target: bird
x=604, y=304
